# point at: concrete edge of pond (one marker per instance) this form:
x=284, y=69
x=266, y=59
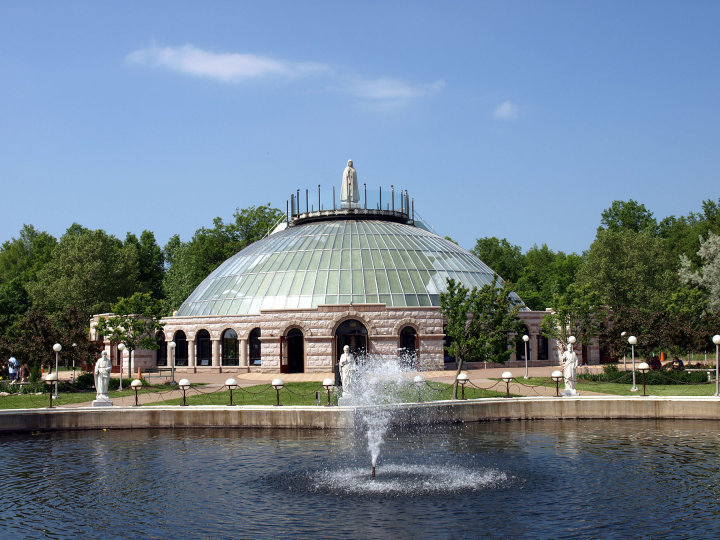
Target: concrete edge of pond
x=319, y=417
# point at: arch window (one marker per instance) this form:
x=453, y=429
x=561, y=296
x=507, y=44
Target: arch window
x=255, y=346
x=181, y=348
x=354, y=334
x=408, y=346
x=230, y=356
x=204, y=348
x=295, y=351
x=162, y=350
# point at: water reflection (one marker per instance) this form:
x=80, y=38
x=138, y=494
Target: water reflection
x=505, y=479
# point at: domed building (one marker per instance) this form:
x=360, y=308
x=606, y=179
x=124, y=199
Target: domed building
x=362, y=270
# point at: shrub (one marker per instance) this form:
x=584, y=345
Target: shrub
x=612, y=374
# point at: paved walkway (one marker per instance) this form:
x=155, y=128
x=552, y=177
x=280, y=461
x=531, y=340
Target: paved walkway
x=214, y=382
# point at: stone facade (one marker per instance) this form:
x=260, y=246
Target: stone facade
x=319, y=326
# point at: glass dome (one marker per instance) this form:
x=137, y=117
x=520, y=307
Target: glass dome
x=337, y=262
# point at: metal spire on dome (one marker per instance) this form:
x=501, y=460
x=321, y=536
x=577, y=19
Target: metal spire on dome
x=397, y=207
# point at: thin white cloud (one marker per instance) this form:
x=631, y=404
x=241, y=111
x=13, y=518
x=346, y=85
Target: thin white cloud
x=385, y=88
x=227, y=67
x=506, y=111
x=384, y=92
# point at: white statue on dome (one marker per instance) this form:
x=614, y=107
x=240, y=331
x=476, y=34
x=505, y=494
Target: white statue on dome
x=350, y=192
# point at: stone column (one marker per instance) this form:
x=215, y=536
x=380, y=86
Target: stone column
x=216, y=353
x=243, y=353
x=191, y=352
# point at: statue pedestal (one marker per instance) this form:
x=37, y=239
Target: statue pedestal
x=102, y=402
x=570, y=392
x=345, y=401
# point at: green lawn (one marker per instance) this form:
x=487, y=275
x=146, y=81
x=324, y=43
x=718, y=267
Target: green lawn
x=304, y=394
x=33, y=401
x=624, y=389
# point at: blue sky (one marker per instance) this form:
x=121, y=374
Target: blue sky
x=521, y=120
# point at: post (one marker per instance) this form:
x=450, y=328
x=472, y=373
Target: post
x=392, y=197
x=380, y=197
x=333, y=198
x=57, y=358
x=319, y=198
x=365, y=189
x=307, y=201
x=634, y=386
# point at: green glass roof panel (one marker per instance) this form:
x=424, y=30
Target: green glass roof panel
x=337, y=261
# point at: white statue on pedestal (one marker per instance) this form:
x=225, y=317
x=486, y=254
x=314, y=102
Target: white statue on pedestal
x=102, y=379
x=569, y=365
x=347, y=370
x=350, y=192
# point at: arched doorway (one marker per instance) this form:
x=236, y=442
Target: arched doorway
x=354, y=334
x=408, y=346
x=162, y=349
x=230, y=356
x=181, y=349
x=255, y=347
x=204, y=348
x=295, y=351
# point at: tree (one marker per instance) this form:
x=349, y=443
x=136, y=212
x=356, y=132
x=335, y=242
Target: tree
x=89, y=270
x=150, y=263
x=479, y=322
x=545, y=275
x=135, y=322
x=707, y=276
x=628, y=216
x=503, y=257
x=576, y=312
x=191, y=262
x=628, y=268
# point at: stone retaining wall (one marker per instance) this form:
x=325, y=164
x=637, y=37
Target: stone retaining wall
x=28, y=420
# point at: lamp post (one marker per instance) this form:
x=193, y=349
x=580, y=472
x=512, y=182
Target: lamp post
x=57, y=348
x=231, y=385
x=121, y=348
x=49, y=379
x=172, y=361
x=74, y=345
x=622, y=335
x=328, y=384
x=136, y=385
x=184, y=384
x=557, y=376
x=632, y=340
x=643, y=367
x=419, y=381
x=526, y=338
x=507, y=377
x=716, y=341
x=462, y=380
x=277, y=384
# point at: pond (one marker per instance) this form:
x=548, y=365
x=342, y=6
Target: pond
x=615, y=479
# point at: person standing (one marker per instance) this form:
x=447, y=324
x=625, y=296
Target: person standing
x=13, y=369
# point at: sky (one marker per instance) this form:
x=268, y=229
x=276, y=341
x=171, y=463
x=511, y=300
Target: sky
x=521, y=120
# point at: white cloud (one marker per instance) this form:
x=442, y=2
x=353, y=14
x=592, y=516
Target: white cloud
x=384, y=92
x=228, y=67
x=385, y=88
x=506, y=111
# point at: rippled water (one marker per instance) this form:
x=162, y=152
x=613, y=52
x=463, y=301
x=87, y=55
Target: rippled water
x=610, y=479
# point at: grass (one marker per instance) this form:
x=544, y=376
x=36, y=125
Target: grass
x=34, y=401
x=304, y=394
x=624, y=389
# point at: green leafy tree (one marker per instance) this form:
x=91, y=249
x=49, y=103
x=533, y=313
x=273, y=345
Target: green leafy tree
x=628, y=216
x=707, y=276
x=503, y=257
x=191, y=262
x=150, y=262
x=546, y=274
x=479, y=322
x=89, y=270
x=628, y=268
x=135, y=322
x=576, y=312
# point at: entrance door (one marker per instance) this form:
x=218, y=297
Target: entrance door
x=295, y=351
x=354, y=334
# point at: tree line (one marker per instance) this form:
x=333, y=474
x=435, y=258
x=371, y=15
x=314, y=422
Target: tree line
x=659, y=280
x=656, y=279
x=49, y=287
